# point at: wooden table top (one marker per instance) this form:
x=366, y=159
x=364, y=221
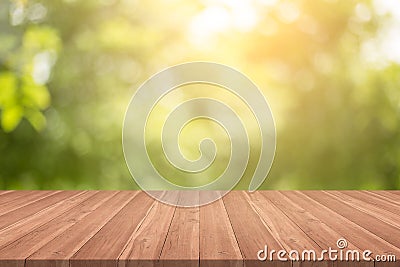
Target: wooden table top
x=128, y=228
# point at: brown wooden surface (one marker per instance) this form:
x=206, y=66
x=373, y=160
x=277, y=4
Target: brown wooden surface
x=128, y=228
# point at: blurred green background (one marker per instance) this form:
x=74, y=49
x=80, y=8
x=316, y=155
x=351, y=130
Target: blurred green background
x=330, y=70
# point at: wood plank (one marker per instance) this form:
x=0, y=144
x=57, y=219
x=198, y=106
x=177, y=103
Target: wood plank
x=368, y=222
x=3, y=192
x=352, y=232
x=58, y=251
x=395, y=192
x=323, y=235
x=145, y=246
x=105, y=247
x=127, y=229
x=20, y=213
x=22, y=248
x=218, y=245
x=12, y=195
x=373, y=210
x=66, y=200
x=380, y=213
x=374, y=200
x=285, y=231
x=306, y=220
x=391, y=198
x=14, y=201
x=181, y=247
x=288, y=234
x=384, y=200
x=250, y=230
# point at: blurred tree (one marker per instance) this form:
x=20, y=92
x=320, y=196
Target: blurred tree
x=75, y=64
x=27, y=55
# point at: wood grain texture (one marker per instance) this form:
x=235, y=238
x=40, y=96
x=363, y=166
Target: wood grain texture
x=182, y=244
x=352, y=232
x=130, y=229
x=16, y=199
x=375, y=200
x=250, y=230
x=146, y=244
x=316, y=229
x=218, y=245
x=368, y=208
x=387, y=197
x=306, y=219
x=59, y=250
x=368, y=222
x=31, y=242
x=104, y=248
x=24, y=224
x=33, y=207
x=3, y=192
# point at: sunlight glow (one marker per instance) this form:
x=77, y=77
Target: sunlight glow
x=220, y=16
x=385, y=47
x=42, y=67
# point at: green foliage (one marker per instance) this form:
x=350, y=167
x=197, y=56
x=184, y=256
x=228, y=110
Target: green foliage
x=27, y=65
x=68, y=69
